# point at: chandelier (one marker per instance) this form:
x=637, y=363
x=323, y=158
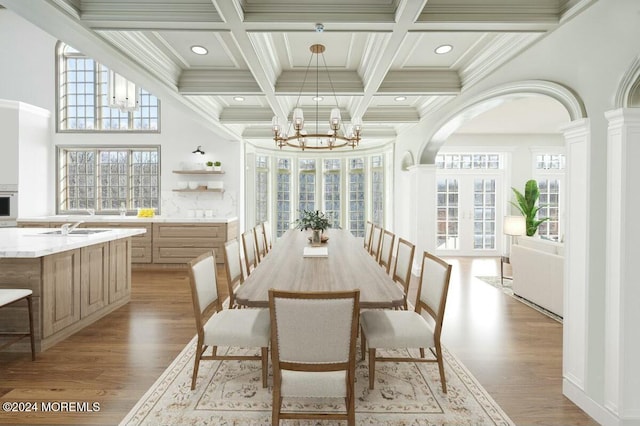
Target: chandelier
x=336, y=135
x=123, y=94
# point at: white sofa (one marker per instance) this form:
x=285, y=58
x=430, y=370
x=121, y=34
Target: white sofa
x=538, y=272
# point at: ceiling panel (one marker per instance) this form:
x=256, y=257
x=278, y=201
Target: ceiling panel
x=180, y=42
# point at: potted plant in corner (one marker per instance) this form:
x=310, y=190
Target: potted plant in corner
x=217, y=166
x=209, y=165
x=315, y=220
x=526, y=204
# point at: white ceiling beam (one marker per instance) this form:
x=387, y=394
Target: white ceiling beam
x=428, y=82
x=342, y=82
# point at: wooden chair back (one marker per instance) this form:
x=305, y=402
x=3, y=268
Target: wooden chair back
x=268, y=235
x=403, y=265
x=249, y=249
x=368, y=229
x=435, y=275
x=233, y=268
x=261, y=248
x=376, y=239
x=386, y=250
x=314, y=333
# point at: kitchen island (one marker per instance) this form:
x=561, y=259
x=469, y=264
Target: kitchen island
x=76, y=279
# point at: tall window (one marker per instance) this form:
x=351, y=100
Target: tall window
x=307, y=185
x=377, y=189
x=332, y=191
x=262, y=185
x=107, y=179
x=283, y=196
x=447, y=234
x=549, y=171
x=83, y=101
x=356, y=197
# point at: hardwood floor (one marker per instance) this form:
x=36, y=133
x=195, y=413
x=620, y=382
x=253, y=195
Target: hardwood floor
x=514, y=351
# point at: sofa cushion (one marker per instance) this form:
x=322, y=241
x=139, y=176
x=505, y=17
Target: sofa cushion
x=539, y=244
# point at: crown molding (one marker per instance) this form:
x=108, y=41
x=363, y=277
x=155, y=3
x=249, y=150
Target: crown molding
x=628, y=93
x=423, y=82
x=218, y=82
x=342, y=82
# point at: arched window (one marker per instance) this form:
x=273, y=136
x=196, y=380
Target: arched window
x=84, y=101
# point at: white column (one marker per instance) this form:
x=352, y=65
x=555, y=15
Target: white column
x=576, y=278
x=423, y=208
x=622, y=355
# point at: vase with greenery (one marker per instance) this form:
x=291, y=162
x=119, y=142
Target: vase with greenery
x=209, y=165
x=315, y=220
x=217, y=166
x=527, y=205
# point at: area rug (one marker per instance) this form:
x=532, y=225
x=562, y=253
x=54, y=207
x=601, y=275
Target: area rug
x=231, y=393
x=507, y=287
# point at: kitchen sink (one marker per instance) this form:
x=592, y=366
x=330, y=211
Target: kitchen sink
x=76, y=232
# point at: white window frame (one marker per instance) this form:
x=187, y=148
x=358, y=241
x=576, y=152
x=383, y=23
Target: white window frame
x=552, y=174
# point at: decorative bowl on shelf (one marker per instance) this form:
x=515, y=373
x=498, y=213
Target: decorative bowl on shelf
x=193, y=185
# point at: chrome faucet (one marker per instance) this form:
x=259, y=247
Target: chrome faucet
x=66, y=228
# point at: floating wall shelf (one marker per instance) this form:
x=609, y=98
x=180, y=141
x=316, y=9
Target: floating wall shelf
x=198, y=172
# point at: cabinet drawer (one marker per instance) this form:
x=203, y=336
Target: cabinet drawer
x=183, y=254
x=198, y=231
x=140, y=253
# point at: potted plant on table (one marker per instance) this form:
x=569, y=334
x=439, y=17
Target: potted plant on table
x=527, y=206
x=315, y=220
x=217, y=166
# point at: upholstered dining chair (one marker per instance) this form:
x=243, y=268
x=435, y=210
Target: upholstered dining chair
x=391, y=329
x=313, y=343
x=233, y=268
x=246, y=328
x=268, y=236
x=386, y=249
x=376, y=239
x=261, y=248
x=249, y=249
x=402, y=266
x=368, y=229
x=9, y=296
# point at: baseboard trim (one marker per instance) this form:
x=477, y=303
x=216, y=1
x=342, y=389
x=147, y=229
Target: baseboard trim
x=588, y=405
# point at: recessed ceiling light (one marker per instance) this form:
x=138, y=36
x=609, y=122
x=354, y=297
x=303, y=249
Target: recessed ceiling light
x=238, y=98
x=199, y=50
x=400, y=98
x=317, y=98
x=445, y=48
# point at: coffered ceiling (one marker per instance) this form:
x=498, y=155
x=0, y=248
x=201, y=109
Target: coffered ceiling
x=376, y=50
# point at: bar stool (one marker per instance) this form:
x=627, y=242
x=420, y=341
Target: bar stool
x=9, y=296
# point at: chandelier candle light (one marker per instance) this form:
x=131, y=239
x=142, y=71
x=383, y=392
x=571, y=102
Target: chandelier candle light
x=335, y=137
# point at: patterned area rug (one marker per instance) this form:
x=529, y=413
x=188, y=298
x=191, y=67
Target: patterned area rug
x=507, y=288
x=231, y=393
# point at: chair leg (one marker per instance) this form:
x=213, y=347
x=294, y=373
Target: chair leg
x=421, y=352
x=363, y=344
x=31, y=336
x=265, y=360
x=372, y=367
x=275, y=410
x=441, y=368
x=350, y=403
x=196, y=364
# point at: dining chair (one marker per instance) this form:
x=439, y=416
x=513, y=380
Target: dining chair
x=233, y=268
x=391, y=329
x=268, y=236
x=9, y=296
x=249, y=249
x=403, y=265
x=368, y=228
x=376, y=239
x=215, y=326
x=386, y=249
x=261, y=248
x=313, y=344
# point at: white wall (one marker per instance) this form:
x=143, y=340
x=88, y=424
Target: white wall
x=31, y=79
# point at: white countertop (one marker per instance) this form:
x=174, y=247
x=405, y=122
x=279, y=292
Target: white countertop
x=127, y=219
x=33, y=242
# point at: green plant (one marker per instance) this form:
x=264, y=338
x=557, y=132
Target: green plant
x=527, y=205
x=310, y=219
x=217, y=164
x=209, y=163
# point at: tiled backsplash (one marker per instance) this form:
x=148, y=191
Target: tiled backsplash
x=175, y=204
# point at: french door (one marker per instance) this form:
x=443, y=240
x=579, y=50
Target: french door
x=467, y=210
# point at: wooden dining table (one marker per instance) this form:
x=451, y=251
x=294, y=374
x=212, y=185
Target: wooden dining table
x=348, y=266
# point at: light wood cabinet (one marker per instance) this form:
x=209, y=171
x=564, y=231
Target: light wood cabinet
x=94, y=278
x=60, y=291
x=183, y=242
x=120, y=270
